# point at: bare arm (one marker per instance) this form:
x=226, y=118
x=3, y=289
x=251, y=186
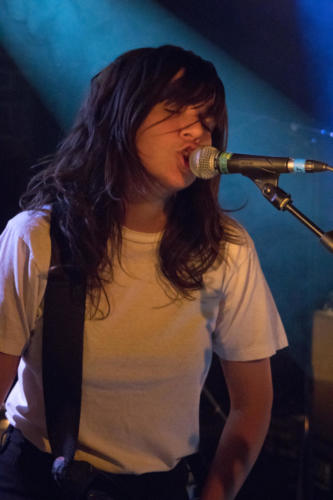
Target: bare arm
x=8, y=369
x=250, y=389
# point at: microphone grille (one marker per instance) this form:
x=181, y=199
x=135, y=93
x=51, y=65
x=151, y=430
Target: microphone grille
x=202, y=162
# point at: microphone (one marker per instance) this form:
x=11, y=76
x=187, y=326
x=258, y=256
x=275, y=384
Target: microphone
x=207, y=162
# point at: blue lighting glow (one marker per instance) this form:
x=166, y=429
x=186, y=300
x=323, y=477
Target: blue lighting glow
x=315, y=29
x=59, y=49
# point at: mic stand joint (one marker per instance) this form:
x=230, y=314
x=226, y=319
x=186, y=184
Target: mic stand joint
x=268, y=185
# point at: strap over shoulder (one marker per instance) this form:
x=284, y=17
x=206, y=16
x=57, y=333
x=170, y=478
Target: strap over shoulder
x=63, y=327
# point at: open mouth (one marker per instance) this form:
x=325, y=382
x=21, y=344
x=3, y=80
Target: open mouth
x=186, y=159
x=185, y=155
x=186, y=152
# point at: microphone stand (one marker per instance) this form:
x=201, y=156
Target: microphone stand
x=268, y=185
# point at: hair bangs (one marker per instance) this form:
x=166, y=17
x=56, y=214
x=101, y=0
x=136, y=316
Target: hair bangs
x=190, y=89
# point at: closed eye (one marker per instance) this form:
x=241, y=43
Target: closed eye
x=205, y=126
x=208, y=123
x=172, y=111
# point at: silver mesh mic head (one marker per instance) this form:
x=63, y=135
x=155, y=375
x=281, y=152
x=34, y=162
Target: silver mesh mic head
x=202, y=162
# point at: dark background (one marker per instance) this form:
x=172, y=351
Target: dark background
x=271, y=37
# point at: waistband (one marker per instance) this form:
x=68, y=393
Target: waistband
x=86, y=481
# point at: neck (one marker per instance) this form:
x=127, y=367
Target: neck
x=145, y=216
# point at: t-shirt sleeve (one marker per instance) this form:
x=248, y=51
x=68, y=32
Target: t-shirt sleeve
x=24, y=260
x=248, y=325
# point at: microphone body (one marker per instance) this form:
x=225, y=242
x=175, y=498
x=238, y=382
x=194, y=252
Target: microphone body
x=207, y=162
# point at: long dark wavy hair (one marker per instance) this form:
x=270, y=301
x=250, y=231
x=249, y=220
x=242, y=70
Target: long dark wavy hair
x=93, y=169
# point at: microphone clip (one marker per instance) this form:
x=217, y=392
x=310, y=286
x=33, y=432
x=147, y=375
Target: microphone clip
x=268, y=185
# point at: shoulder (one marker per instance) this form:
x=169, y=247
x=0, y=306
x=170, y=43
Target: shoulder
x=237, y=260
x=29, y=233
x=238, y=248
x=29, y=222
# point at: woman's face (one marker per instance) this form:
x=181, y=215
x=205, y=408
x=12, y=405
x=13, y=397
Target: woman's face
x=166, y=138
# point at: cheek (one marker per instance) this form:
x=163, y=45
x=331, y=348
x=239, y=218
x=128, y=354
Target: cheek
x=206, y=138
x=142, y=144
x=147, y=149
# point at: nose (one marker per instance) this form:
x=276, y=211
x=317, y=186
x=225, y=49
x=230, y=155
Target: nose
x=194, y=131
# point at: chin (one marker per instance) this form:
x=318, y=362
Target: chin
x=184, y=180
x=176, y=187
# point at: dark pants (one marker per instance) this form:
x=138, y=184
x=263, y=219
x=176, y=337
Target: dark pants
x=25, y=474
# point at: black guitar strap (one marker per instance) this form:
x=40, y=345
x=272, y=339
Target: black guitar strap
x=64, y=310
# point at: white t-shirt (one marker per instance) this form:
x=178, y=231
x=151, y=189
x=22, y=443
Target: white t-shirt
x=144, y=365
